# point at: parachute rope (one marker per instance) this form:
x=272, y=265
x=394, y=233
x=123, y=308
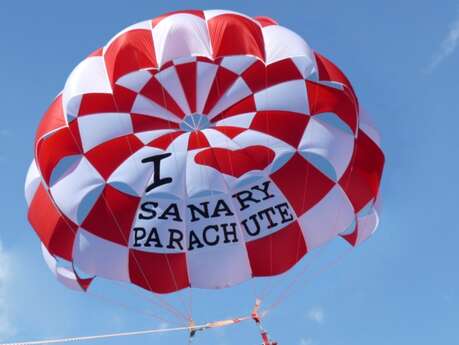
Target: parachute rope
x=201, y=327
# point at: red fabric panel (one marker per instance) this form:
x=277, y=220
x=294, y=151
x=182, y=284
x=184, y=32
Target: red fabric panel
x=284, y=125
x=112, y=215
x=224, y=78
x=247, y=105
x=154, y=91
x=187, y=76
x=52, y=149
x=143, y=123
x=282, y=71
x=265, y=21
x=52, y=119
x=56, y=232
x=330, y=72
x=236, y=162
x=124, y=98
x=165, y=140
x=107, y=157
x=352, y=237
x=97, y=52
x=92, y=103
x=328, y=99
x=232, y=34
x=197, y=13
x=160, y=273
x=278, y=252
x=230, y=131
x=363, y=176
x=258, y=76
x=301, y=183
x=197, y=140
x=129, y=52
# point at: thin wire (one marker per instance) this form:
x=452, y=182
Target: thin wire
x=288, y=291
x=216, y=324
x=170, y=306
x=182, y=301
x=127, y=307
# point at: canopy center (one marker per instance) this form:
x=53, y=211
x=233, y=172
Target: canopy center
x=195, y=122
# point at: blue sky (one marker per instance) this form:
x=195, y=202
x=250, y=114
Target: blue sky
x=399, y=287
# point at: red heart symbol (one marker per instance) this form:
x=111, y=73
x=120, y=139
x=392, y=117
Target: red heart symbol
x=236, y=162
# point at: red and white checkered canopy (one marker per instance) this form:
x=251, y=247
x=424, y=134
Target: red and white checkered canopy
x=201, y=149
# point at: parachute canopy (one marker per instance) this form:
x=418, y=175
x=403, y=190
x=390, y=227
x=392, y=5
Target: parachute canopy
x=200, y=149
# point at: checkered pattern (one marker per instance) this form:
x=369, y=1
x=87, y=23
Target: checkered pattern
x=273, y=110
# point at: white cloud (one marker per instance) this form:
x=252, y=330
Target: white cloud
x=307, y=341
x=316, y=314
x=448, y=45
x=6, y=327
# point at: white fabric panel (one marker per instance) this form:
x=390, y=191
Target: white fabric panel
x=218, y=139
x=209, y=14
x=367, y=125
x=254, y=208
x=282, y=43
x=98, y=257
x=218, y=267
x=78, y=184
x=162, y=225
x=238, y=63
x=145, y=106
x=205, y=76
x=224, y=264
x=327, y=218
x=238, y=91
x=180, y=35
x=99, y=128
x=64, y=275
x=242, y=120
x=252, y=137
x=367, y=226
x=32, y=182
x=89, y=76
x=289, y=96
x=201, y=178
x=307, y=68
x=148, y=136
x=329, y=142
x=171, y=82
x=184, y=59
x=174, y=167
x=133, y=172
x=135, y=81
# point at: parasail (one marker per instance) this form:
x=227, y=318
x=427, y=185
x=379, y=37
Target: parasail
x=200, y=149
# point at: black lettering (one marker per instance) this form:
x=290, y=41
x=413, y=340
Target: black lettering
x=205, y=233
x=157, y=180
x=227, y=232
x=204, y=212
x=194, y=240
x=244, y=197
x=175, y=237
x=148, y=207
x=153, y=237
x=265, y=213
x=139, y=234
x=173, y=211
x=264, y=190
x=220, y=207
x=284, y=211
x=257, y=225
